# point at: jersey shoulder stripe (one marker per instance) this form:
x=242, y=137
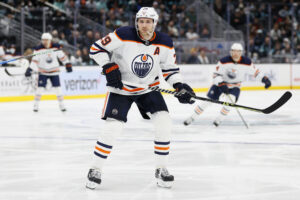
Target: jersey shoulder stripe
x=53, y=45
x=127, y=33
x=162, y=39
x=245, y=60
x=226, y=59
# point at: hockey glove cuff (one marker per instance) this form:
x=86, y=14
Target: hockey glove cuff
x=28, y=72
x=185, y=93
x=113, y=75
x=266, y=81
x=69, y=67
x=223, y=87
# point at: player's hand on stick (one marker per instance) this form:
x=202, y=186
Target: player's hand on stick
x=224, y=88
x=266, y=81
x=186, y=93
x=69, y=67
x=28, y=72
x=113, y=75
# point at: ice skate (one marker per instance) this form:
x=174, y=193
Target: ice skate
x=188, y=121
x=94, y=179
x=35, y=108
x=217, y=122
x=163, y=178
x=62, y=107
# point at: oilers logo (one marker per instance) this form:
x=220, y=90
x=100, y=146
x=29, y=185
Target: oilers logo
x=142, y=65
x=49, y=59
x=231, y=73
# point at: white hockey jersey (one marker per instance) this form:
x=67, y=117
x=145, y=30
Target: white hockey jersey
x=139, y=62
x=233, y=73
x=48, y=64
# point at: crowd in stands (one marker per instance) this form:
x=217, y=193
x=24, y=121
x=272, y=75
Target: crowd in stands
x=273, y=31
x=282, y=41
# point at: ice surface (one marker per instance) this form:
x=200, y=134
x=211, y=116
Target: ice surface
x=46, y=155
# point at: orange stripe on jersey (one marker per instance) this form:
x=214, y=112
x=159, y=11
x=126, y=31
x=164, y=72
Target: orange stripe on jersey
x=45, y=71
x=95, y=49
x=154, y=84
x=63, y=58
x=161, y=148
x=105, y=102
x=102, y=150
x=127, y=40
x=256, y=73
x=164, y=75
x=132, y=90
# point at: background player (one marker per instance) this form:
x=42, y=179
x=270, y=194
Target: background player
x=229, y=74
x=47, y=66
x=139, y=54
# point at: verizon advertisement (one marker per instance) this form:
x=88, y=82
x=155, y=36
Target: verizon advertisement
x=89, y=81
x=82, y=81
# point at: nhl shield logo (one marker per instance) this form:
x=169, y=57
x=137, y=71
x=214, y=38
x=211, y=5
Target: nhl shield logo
x=142, y=65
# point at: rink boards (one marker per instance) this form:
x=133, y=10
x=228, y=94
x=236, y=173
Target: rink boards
x=87, y=82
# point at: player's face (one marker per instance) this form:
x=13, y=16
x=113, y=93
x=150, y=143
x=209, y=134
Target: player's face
x=145, y=26
x=46, y=43
x=236, y=55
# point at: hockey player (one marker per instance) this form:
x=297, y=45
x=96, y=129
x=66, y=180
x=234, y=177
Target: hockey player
x=139, y=54
x=47, y=66
x=229, y=74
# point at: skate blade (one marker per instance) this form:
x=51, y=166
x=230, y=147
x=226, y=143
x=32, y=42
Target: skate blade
x=187, y=122
x=164, y=184
x=91, y=185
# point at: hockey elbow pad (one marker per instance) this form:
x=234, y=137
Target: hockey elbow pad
x=266, y=81
x=28, y=72
x=69, y=67
x=185, y=93
x=113, y=75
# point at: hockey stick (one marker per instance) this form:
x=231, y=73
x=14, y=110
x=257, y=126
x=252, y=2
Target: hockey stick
x=34, y=54
x=237, y=110
x=282, y=100
x=10, y=74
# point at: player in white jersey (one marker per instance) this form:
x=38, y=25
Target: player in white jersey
x=138, y=55
x=47, y=66
x=229, y=75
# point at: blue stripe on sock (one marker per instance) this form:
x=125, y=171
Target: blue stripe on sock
x=100, y=155
x=104, y=145
x=162, y=143
x=161, y=153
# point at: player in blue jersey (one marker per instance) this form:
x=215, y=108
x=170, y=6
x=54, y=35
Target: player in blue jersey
x=47, y=66
x=138, y=55
x=230, y=73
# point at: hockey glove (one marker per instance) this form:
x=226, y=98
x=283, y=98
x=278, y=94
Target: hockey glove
x=266, y=81
x=69, y=67
x=224, y=88
x=186, y=93
x=28, y=72
x=113, y=75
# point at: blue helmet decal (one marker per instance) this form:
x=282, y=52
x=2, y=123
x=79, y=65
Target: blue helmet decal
x=142, y=65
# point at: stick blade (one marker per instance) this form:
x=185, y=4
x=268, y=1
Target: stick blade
x=283, y=99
